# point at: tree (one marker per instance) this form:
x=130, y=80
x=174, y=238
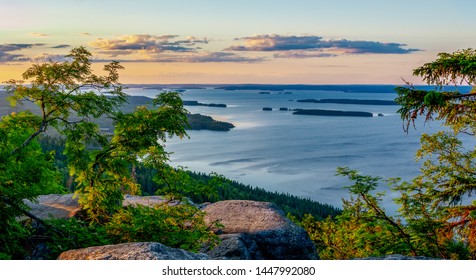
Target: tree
x=455, y=109
x=438, y=215
x=58, y=91
x=68, y=97
x=437, y=203
x=23, y=175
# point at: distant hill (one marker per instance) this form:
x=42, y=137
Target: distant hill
x=196, y=121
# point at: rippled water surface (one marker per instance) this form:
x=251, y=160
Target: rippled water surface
x=297, y=154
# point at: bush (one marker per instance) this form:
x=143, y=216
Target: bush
x=179, y=226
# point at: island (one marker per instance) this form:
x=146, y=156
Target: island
x=350, y=101
x=199, y=122
x=320, y=112
x=196, y=103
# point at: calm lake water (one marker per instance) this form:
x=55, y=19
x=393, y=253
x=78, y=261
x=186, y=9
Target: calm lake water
x=297, y=154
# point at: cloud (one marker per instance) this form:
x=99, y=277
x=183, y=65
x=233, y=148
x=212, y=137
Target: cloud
x=196, y=57
x=303, y=54
x=132, y=44
x=49, y=57
x=221, y=57
x=36, y=34
x=315, y=46
x=6, y=54
x=164, y=48
x=61, y=46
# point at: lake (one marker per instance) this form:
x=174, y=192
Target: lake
x=297, y=154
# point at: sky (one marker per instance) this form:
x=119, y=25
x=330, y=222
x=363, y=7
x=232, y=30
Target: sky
x=240, y=41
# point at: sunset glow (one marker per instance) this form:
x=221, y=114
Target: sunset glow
x=311, y=42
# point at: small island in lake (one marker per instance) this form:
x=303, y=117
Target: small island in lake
x=196, y=103
x=199, y=122
x=350, y=101
x=320, y=112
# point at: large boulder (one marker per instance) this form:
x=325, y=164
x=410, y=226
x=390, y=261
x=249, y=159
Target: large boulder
x=261, y=228
x=131, y=251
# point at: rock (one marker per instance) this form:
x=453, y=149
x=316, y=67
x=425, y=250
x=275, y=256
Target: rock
x=252, y=230
x=149, y=201
x=65, y=206
x=131, y=251
x=58, y=206
x=261, y=224
x=236, y=246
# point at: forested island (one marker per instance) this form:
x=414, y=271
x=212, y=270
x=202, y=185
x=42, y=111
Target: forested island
x=349, y=101
x=200, y=122
x=196, y=103
x=320, y=112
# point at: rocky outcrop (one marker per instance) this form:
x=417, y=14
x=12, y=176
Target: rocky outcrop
x=257, y=230
x=251, y=230
x=131, y=251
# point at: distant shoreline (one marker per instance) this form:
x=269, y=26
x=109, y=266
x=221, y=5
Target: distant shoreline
x=350, y=101
x=320, y=112
x=365, y=88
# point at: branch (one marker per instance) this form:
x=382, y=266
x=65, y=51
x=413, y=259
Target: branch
x=461, y=95
x=30, y=138
x=28, y=214
x=389, y=220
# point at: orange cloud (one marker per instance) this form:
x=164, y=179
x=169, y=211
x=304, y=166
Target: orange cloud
x=36, y=34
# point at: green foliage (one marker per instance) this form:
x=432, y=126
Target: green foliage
x=177, y=183
x=437, y=203
x=179, y=226
x=456, y=68
x=436, y=208
x=67, y=97
x=363, y=229
x=103, y=175
x=455, y=109
x=23, y=175
x=74, y=234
